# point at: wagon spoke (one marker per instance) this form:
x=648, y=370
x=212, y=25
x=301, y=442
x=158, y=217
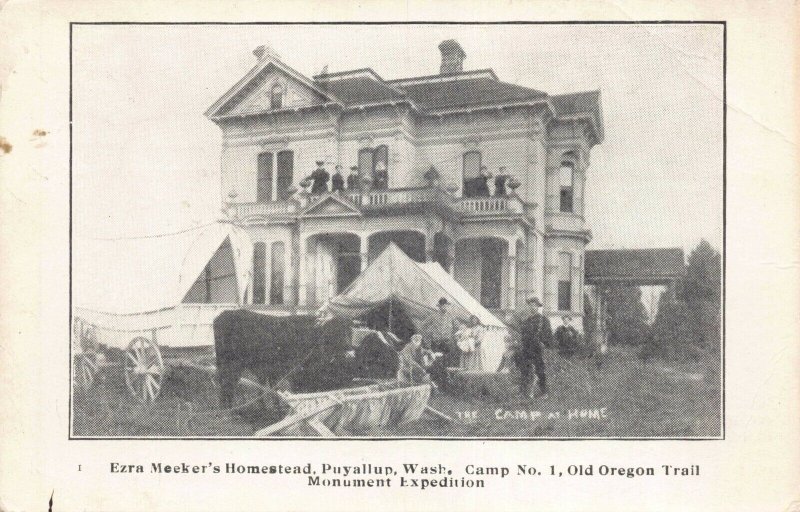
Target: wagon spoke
x=132, y=359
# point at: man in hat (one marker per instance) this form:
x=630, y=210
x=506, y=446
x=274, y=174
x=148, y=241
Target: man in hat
x=337, y=180
x=320, y=179
x=380, y=177
x=440, y=331
x=534, y=332
x=353, y=181
x=500, y=183
x=566, y=337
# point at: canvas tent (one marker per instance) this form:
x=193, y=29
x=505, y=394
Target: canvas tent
x=393, y=277
x=177, y=281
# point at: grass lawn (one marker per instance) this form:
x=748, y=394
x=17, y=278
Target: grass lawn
x=624, y=398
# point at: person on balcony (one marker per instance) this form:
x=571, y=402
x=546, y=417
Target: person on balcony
x=481, y=185
x=319, y=179
x=381, y=177
x=337, y=180
x=353, y=180
x=500, y=183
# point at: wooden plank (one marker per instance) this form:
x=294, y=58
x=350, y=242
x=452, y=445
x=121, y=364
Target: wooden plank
x=296, y=418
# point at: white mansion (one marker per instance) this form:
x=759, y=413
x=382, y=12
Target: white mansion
x=418, y=146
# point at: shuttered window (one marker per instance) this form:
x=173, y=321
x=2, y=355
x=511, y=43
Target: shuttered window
x=285, y=174
x=365, y=159
x=264, y=179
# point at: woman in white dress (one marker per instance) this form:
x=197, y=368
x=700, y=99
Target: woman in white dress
x=469, y=339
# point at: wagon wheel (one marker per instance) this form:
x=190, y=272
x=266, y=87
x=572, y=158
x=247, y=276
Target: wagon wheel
x=85, y=369
x=144, y=370
x=85, y=362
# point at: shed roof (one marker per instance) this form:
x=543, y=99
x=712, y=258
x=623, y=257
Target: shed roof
x=635, y=266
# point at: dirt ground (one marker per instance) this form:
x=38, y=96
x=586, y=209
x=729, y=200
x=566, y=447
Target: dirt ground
x=625, y=397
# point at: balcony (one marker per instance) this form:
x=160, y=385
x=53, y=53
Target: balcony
x=398, y=200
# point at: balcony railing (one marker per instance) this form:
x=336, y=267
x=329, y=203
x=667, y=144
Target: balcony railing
x=383, y=199
x=270, y=209
x=398, y=196
x=510, y=205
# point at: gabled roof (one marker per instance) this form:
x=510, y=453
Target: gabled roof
x=635, y=266
x=253, y=78
x=440, y=93
x=331, y=205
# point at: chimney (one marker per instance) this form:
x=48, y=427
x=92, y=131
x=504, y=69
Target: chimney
x=452, y=57
x=264, y=51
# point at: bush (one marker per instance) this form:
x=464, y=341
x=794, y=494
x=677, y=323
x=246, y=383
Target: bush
x=673, y=334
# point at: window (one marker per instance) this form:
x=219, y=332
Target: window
x=259, y=272
x=565, y=281
x=264, y=179
x=276, y=96
x=365, y=159
x=566, y=176
x=276, y=276
x=472, y=168
x=380, y=167
x=285, y=173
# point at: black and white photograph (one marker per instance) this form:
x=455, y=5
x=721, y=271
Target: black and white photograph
x=411, y=230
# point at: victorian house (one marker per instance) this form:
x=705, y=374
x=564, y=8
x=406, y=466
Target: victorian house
x=483, y=176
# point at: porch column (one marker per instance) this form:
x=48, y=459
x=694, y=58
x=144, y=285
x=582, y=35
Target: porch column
x=512, y=274
x=430, y=254
x=364, y=251
x=302, y=289
x=451, y=257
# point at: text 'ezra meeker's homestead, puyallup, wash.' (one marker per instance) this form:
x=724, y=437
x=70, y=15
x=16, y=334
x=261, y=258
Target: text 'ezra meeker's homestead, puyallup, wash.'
x=483, y=176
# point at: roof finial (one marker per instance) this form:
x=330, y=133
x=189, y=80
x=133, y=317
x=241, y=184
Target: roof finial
x=263, y=51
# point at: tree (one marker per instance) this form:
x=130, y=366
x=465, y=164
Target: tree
x=628, y=319
x=703, y=275
x=702, y=290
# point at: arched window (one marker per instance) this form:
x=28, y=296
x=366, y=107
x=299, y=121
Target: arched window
x=471, y=170
x=380, y=168
x=276, y=96
x=285, y=174
x=566, y=178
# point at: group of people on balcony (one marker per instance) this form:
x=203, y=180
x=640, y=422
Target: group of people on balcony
x=353, y=183
x=479, y=185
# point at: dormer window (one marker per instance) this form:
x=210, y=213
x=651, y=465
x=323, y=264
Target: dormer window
x=276, y=96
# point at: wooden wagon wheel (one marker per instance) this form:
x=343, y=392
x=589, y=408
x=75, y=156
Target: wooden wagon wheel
x=85, y=362
x=85, y=369
x=144, y=369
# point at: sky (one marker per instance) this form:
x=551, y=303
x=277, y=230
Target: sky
x=146, y=161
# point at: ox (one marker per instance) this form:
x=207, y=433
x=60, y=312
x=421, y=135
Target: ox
x=311, y=354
